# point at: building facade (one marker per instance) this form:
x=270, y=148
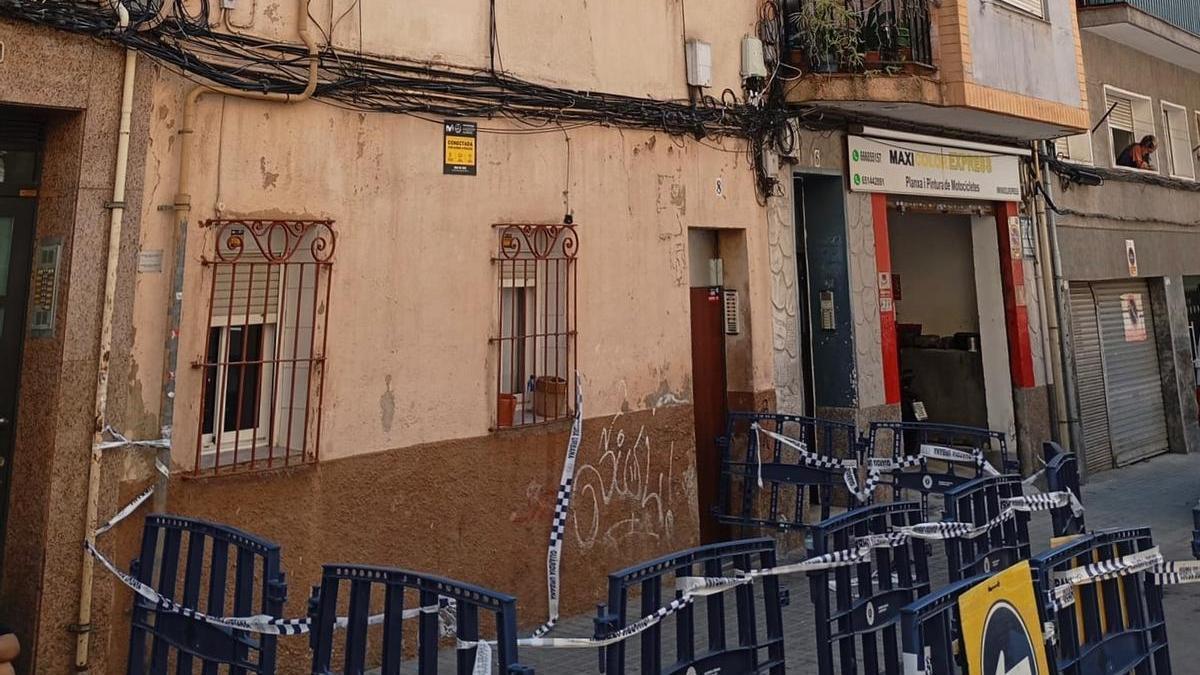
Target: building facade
x=1127, y=233
x=914, y=225
x=361, y=330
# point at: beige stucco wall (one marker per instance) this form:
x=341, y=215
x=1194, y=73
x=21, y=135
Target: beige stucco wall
x=413, y=296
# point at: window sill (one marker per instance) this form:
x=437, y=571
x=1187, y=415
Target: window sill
x=535, y=428
x=1135, y=170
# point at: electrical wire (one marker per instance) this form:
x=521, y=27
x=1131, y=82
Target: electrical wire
x=188, y=44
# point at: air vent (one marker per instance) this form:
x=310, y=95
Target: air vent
x=733, y=322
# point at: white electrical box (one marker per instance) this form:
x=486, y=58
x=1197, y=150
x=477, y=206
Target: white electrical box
x=699, y=63
x=753, y=63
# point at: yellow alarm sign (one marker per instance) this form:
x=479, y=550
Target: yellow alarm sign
x=1001, y=631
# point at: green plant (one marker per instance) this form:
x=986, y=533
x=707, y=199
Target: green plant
x=831, y=34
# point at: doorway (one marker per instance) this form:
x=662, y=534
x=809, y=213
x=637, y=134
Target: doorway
x=19, y=169
x=950, y=321
x=710, y=386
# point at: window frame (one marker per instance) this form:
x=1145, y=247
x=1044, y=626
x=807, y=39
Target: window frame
x=1087, y=137
x=1134, y=98
x=541, y=259
x=296, y=257
x=1013, y=5
x=1169, y=145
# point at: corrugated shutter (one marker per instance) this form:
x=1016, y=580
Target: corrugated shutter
x=1089, y=378
x=1034, y=7
x=1137, y=421
x=1121, y=116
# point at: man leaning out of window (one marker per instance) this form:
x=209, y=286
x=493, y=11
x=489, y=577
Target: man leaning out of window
x=1139, y=155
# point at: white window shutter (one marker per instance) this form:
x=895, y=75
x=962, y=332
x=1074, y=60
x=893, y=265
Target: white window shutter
x=1034, y=7
x=1121, y=116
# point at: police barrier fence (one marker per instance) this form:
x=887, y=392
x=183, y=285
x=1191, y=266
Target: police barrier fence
x=931, y=630
x=978, y=502
x=1062, y=475
x=940, y=456
x=1114, y=622
x=218, y=570
x=857, y=608
x=700, y=640
x=769, y=479
x=375, y=603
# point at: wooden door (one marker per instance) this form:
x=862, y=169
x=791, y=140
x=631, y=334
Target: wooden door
x=709, y=402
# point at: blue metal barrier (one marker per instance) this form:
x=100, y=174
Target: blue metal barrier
x=978, y=501
x=754, y=652
x=788, y=482
x=931, y=630
x=861, y=604
x=906, y=439
x=1196, y=532
x=375, y=604
x=1062, y=474
x=1115, y=626
x=213, y=554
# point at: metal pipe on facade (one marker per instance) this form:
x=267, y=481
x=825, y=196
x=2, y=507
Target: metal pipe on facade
x=183, y=207
x=104, y=354
x=1050, y=337
x=1063, y=307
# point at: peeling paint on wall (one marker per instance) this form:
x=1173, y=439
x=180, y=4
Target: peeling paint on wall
x=785, y=338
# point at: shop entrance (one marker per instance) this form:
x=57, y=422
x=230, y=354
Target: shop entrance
x=950, y=325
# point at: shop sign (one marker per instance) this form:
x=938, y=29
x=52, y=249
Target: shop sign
x=903, y=167
x=1001, y=630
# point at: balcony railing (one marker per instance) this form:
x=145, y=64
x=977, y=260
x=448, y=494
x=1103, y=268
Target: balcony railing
x=829, y=36
x=1183, y=14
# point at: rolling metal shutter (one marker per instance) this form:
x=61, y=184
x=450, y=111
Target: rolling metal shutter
x=1089, y=378
x=1137, y=421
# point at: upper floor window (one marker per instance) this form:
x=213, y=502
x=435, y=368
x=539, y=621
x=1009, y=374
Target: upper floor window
x=264, y=355
x=535, y=338
x=1130, y=122
x=1176, y=145
x=1077, y=148
x=1034, y=7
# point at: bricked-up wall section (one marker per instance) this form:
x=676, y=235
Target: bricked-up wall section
x=475, y=509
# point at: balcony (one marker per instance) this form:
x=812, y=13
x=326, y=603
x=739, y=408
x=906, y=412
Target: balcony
x=1165, y=29
x=1183, y=14
x=858, y=36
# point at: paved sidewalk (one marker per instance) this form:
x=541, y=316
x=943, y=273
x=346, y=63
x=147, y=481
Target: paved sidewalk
x=1158, y=493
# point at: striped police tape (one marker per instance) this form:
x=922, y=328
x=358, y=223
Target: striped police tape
x=558, y=526
x=1161, y=572
x=875, y=466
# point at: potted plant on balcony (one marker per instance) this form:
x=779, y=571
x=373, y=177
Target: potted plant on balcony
x=829, y=30
x=871, y=38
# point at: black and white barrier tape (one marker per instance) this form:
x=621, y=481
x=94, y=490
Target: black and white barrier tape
x=120, y=441
x=562, y=506
x=1162, y=572
x=875, y=466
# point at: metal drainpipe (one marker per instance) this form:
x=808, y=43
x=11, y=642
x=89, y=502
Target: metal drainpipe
x=1065, y=344
x=1050, y=338
x=116, y=216
x=183, y=208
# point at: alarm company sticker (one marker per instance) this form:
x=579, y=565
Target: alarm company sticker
x=1000, y=625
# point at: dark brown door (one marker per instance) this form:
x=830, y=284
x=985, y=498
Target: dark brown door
x=710, y=404
x=17, y=200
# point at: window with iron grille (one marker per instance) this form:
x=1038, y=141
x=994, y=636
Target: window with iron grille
x=264, y=357
x=535, y=336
